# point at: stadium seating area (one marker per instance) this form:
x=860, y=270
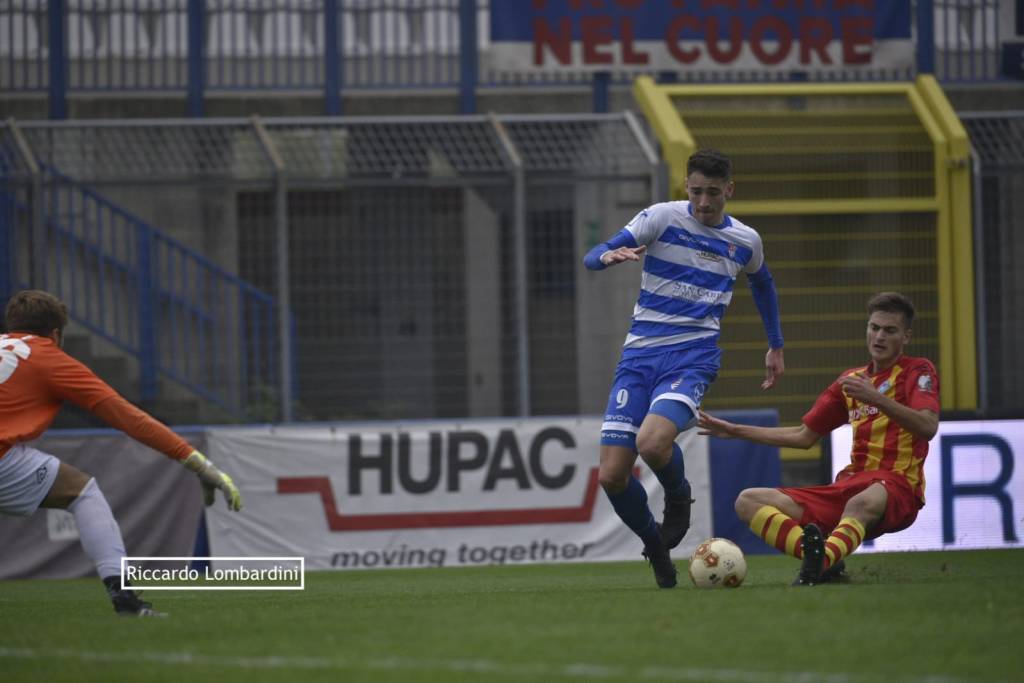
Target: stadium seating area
x=293, y=29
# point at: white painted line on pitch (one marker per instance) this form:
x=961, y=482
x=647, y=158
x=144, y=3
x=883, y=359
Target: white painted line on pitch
x=579, y=671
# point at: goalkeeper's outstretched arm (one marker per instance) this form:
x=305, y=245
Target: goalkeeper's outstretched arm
x=120, y=414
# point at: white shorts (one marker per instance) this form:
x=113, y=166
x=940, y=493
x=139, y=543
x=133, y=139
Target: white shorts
x=26, y=476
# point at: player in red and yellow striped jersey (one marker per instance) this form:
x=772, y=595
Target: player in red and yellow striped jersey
x=36, y=377
x=893, y=405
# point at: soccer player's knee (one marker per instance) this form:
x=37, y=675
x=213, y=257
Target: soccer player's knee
x=69, y=484
x=612, y=480
x=651, y=446
x=739, y=505
x=78, y=480
x=747, y=504
x=866, y=509
x=91, y=489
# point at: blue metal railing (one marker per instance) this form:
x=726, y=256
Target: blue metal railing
x=8, y=216
x=181, y=316
x=195, y=46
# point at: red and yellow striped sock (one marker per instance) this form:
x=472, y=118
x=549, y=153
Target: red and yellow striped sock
x=845, y=538
x=779, y=530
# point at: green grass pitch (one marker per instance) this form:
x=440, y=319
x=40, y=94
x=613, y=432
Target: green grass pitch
x=938, y=617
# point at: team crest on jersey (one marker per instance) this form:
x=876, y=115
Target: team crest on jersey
x=885, y=386
x=732, y=251
x=924, y=383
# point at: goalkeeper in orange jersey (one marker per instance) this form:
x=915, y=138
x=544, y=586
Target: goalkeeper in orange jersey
x=36, y=377
x=893, y=405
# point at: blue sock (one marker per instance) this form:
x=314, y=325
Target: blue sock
x=631, y=507
x=673, y=475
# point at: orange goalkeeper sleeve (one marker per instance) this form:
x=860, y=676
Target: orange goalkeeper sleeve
x=120, y=414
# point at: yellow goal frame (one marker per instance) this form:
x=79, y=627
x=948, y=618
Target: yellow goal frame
x=951, y=200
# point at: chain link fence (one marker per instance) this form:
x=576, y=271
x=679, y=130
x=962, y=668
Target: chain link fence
x=997, y=139
x=432, y=265
x=426, y=267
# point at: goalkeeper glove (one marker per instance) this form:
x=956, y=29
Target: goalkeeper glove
x=213, y=479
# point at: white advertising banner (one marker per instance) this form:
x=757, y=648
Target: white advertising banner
x=434, y=494
x=974, y=493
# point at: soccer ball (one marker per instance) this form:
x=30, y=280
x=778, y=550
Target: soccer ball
x=717, y=563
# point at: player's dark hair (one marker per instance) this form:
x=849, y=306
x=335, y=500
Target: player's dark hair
x=710, y=162
x=36, y=312
x=893, y=302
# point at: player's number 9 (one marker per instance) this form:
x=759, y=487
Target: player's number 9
x=622, y=399
x=10, y=351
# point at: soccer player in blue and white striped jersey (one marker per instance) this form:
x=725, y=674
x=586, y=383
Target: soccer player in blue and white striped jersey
x=692, y=253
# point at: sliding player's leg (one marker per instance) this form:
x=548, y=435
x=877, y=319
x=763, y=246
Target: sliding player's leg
x=824, y=513
x=883, y=506
x=774, y=516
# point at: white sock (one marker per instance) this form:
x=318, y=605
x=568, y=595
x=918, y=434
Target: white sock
x=99, y=533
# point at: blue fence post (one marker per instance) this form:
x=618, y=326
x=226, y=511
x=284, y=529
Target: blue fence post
x=332, y=74
x=147, y=315
x=196, y=58
x=602, y=80
x=468, y=56
x=925, y=36
x=58, y=60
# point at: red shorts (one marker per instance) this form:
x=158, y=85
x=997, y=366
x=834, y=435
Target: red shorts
x=823, y=505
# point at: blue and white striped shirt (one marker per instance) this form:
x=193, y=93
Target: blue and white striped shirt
x=688, y=276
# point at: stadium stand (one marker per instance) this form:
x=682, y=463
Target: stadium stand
x=171, y=35
x=19, y=36
x=230, y=34
x=284, y=35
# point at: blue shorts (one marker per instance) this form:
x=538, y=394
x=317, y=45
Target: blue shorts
x=682, y=375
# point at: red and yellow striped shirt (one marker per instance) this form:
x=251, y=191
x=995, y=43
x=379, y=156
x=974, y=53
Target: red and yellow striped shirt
x=879, y=442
